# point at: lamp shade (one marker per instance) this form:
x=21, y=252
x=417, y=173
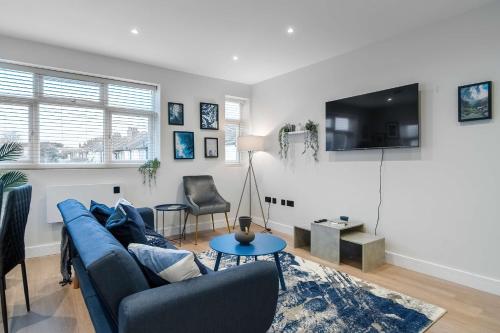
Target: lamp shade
x=251, y=143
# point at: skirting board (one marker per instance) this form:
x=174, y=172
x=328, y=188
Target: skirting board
x=472, y=280
x=55, y=248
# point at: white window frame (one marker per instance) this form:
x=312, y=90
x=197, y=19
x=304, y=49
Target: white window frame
x=244, y=105
x=33, y=162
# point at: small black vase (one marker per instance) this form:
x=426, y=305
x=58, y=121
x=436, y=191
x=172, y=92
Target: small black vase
x=245, y=238
x=245, y=222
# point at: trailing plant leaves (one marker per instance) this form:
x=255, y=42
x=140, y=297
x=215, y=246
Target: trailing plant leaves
x=311, y=138
x=13, y=179
x=11, y=151
x=148, y=171
x=283, y=139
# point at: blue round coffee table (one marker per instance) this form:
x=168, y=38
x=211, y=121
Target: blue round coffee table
x=263, y=244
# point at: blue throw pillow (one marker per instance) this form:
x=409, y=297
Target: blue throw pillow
x=127, y=226
x=101, y=212
x=162, y=266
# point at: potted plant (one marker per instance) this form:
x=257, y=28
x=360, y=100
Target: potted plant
x=283, y=138
x=11, y=151
x=311, y=138
x=148, y=171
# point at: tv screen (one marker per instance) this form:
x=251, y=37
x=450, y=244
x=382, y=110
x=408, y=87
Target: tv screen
x=383, y=119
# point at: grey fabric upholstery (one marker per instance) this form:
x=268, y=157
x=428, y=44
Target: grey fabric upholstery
x=239, y=299
x=202, y=196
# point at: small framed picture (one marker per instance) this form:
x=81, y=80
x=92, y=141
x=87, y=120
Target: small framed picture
x=183, y=145
x=209, y=116
x=474, y=101
x=211, y=147
x=175, y=113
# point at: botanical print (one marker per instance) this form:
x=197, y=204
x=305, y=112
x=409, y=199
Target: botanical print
x=209, y=116
x=175, y=114
x=184, y=145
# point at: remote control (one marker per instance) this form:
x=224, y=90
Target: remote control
x=320, y=221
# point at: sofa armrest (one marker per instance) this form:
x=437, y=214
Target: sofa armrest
x=239, y=299
x=148, y=217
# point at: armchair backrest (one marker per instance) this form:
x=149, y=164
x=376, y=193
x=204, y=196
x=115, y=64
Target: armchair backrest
x=13, y=227
x=199, y=188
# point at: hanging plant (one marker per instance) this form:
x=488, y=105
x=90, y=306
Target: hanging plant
x=283, y=138
x=311, y=138
x=148, y=171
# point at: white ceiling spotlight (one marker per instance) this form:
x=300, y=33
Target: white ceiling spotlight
x=235, y=58
x=134, y=31
x=389, y=99
x=290, y=31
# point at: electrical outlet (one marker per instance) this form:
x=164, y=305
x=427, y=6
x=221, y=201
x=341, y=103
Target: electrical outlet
x=116, y=189
x=290, y=203
x=274, y=200
x=267, y=199
x=283, y=202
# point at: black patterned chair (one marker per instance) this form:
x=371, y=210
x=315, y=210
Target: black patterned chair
x=202, y=198
x=12, y=241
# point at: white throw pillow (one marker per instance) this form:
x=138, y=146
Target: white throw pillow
x=122, y=201
x=170, y=265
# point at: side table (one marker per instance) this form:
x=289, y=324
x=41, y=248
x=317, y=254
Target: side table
x=170, y=208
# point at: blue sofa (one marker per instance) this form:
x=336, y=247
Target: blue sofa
x=119, y=298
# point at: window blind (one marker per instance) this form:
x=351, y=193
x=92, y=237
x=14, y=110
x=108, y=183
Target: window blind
x=232, y=111
x=64, y=118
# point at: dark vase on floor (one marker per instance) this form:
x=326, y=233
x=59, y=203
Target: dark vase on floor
x=245, y=222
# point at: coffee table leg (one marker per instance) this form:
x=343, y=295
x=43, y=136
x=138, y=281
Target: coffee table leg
x=217, y=261
x=237, y=260
x=280, y=272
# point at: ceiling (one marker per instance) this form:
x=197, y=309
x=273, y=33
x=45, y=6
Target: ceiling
x=202, y=36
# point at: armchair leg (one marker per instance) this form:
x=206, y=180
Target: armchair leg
x=196, y=232
x=213, y=223
x=4, y=306
x=25, y=284
x=227, y=222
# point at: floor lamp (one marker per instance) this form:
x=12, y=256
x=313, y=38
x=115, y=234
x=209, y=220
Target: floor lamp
x=251, y=144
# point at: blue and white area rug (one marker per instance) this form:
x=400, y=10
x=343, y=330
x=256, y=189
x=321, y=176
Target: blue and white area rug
x=321, y=299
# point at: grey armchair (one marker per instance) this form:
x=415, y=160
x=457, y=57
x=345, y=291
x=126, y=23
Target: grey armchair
x=202, y=198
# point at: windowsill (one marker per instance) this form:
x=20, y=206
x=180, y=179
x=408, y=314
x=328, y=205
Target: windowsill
x=233, y=164
x=69, y=166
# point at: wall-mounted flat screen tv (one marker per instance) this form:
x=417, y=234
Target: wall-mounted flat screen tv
x=383, y=119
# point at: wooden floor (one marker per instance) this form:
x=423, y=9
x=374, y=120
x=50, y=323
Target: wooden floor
x=61, y=309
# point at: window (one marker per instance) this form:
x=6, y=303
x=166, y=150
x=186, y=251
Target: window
x=64, y=118
x=232, y=128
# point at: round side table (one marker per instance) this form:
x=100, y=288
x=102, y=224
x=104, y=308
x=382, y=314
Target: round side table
x=170, y=208
x=263, y=244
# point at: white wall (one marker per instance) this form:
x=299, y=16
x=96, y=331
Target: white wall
x=43, y=238
x=440, y=212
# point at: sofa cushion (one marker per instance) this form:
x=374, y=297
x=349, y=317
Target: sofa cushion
x=127, y=226
x=170, y=265
x=100, y=211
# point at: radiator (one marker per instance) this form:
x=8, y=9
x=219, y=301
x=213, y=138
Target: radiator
x=102, y=193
